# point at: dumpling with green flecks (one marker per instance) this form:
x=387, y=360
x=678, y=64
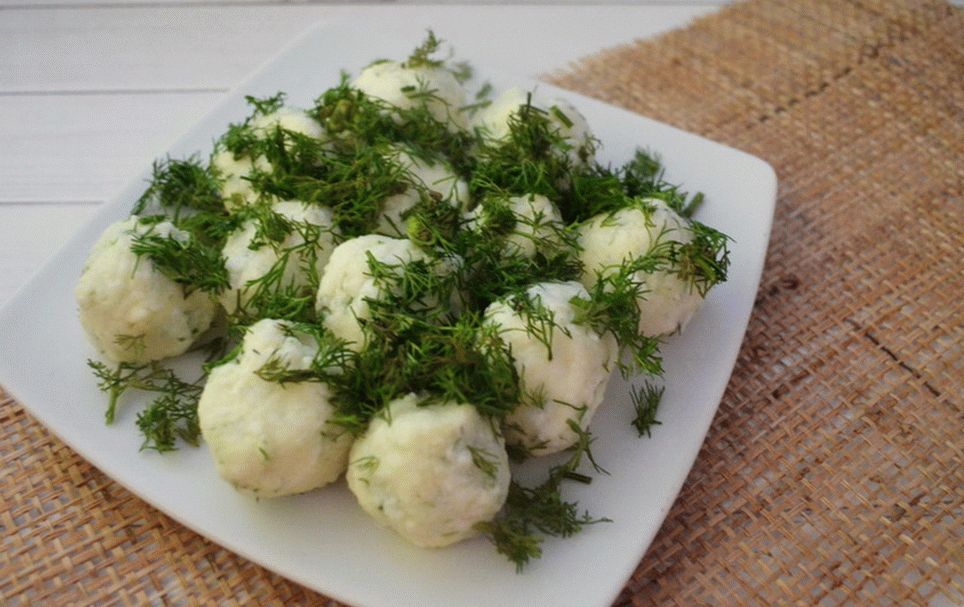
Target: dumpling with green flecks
x=349, y=285
x=528, y=223
x=130, y=310
x=403, y=86
x=269, y=438
x=666, y=301
x=430, y=175
x=430, y=472
x=563, y=366
x=494, y=121
x=234, y=167
x=277, y=250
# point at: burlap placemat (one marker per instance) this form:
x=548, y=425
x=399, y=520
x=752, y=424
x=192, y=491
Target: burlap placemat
x=833, y=473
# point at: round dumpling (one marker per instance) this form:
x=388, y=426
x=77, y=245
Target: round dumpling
x=247, y=266
x=406, y=87
x=493, y=121
x=347, y=283
x=533, y=218
x=435, y=176
x=667, y=302
x=563, y=366
x=269, y=438
x=430, y=473
x=132, y=312
x=290, y=119
x=233, y=170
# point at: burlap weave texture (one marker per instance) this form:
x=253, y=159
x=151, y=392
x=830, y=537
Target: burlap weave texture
x=833, y=473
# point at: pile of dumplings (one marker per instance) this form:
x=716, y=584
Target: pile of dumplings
x=430, y=469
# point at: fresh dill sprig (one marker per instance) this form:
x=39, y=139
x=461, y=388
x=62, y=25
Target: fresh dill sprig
x=358, y=121
x=646, y=399
x=187, y=262
x=422, y=55
x=612, y=307
x=172, y=415
x=264, y=106
x=642, y=177
x=485, y=461
x=177, y=186
x=529, y=512
x=703, y=261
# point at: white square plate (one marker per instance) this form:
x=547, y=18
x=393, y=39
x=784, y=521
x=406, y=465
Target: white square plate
x=322, y=539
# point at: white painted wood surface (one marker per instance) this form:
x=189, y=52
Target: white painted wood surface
x=92, y=90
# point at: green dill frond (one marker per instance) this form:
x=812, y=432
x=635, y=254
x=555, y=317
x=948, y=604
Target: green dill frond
x=485, y=461
x=263, y=106
x=170, y=416
x=642, y=177
x=703, y=261
x=515, y=532
x=187, y=262
x=533, y=159
x=358, y=121
x=178, y=187
x=422, y=55
x=646, y=399
x=612, y=307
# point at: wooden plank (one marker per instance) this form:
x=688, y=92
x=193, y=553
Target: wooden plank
x=29, y=234
x=204, y=49
x=84, y=147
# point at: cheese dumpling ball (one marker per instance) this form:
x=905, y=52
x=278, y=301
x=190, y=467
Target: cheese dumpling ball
x=667, y=302
x=430, y=473
x=528, y=220
x=234, y=169
x=248, y=261
x=404, y=87
x=493, y=121
x=347, y=282
x=569, y=384
x=435, y=176
x=269, y=438
x=132, y=312
x=289, y=119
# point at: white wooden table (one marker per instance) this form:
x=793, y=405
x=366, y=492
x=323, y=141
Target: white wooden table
x=92, y=90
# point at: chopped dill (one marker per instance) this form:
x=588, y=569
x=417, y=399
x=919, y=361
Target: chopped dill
x=646, y=399
x=172, y=415
x=186, y=262
x=529, y=512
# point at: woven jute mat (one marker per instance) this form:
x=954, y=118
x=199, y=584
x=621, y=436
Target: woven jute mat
x=833, y=473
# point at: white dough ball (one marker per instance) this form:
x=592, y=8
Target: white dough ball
x=609, y=240
x=289, y=119
x=268, y=438
x=494, y=120
x=233, y=171
x=537, y=219
x=436, y=176
x=405, y=87
x=347, y=284
x=430, y=473
x=131, y=311
x=570, y=384
x=245, y=264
